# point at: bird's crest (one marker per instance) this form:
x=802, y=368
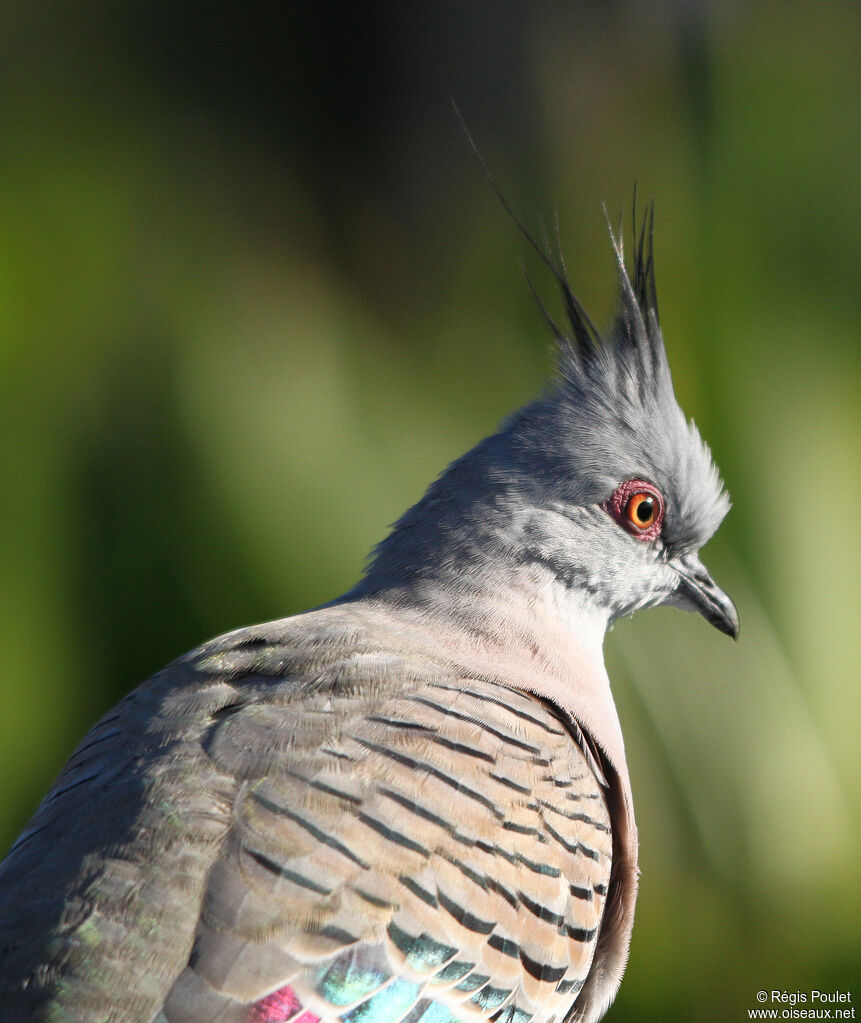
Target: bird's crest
x=618, y=393
x=616, y=389
x=638, y=317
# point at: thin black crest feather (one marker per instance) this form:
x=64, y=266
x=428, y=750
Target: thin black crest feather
x=640, y=292
x=556, y=330
x=632, y=320
x=586, y=334
x=644, y=258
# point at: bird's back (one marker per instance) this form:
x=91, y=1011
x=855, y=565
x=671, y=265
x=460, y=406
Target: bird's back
x=306, y=814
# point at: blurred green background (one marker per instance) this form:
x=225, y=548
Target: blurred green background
x=255, y=293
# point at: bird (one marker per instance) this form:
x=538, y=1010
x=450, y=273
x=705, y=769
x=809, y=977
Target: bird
x=411, y=804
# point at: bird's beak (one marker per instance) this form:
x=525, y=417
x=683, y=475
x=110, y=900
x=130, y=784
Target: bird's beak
x=699, y=592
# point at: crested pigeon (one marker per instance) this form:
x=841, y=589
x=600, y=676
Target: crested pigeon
x=412, y=804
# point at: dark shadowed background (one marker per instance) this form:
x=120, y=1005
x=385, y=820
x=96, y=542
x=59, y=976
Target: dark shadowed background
x=255, y=293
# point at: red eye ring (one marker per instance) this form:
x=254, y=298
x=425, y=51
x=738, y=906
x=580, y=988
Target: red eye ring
x=639, y=507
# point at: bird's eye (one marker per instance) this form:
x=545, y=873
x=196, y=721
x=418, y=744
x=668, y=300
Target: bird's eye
x=639, y=507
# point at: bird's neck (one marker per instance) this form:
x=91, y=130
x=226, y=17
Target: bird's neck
x=469, y=566
x=481, y=549
x=518, y=623
x=532, y=634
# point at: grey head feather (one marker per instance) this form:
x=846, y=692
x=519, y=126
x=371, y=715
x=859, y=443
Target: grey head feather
x=616, y=397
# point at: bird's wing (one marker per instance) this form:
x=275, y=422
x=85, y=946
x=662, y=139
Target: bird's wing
x=100, y=895
x=442, y=854
x=331, y=827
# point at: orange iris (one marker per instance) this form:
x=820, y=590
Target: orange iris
x=642, y=509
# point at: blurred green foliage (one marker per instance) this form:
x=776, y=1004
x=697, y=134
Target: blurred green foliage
x=255, y=294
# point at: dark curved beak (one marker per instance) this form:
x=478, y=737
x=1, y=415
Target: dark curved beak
x=699, y=592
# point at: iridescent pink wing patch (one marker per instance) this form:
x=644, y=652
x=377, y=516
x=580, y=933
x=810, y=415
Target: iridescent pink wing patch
x=281, y=1006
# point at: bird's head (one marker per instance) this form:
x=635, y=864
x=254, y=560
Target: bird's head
x=609, y=452
x=601, y=486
